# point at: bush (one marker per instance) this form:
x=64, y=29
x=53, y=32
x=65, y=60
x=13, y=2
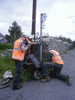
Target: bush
x=64, y=39
x=4, y=46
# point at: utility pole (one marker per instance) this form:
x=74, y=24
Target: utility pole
x=41, y=37
x=34, y=19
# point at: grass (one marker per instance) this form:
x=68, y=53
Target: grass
x=65, y=52
x=1, y=51
x=7, y=64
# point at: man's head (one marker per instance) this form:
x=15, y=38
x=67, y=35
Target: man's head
x=23, y=37
x=46, y=50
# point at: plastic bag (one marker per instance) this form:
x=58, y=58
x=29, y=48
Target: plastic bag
x=8, y=74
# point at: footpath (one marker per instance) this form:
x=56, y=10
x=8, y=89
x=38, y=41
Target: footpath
x=53, y=90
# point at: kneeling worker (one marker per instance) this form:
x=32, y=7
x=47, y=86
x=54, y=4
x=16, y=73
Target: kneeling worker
x=54, y=62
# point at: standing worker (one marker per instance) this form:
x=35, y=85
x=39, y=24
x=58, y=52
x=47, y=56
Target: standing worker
x=29, y=41
x=18, y=56
x=54, y=62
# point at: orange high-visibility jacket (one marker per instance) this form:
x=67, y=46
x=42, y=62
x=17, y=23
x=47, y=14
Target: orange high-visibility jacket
x=27, y=51
x=28, y=40
x=56, y=57
x=18, y=54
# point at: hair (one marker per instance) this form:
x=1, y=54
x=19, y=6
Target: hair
x=23, y=36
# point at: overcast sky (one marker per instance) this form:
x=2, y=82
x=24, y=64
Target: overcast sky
x=60, y=16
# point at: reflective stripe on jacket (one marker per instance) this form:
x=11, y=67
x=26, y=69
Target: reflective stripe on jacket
x=56, y=57
x=18, y=54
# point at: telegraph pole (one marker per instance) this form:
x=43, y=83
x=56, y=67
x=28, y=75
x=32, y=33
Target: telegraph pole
x=34, y=18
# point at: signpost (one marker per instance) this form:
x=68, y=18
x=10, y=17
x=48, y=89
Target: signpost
x=42, y=26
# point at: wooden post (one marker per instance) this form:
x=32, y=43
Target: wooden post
x=34, y=19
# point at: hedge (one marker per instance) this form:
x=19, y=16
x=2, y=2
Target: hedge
x=4, y=46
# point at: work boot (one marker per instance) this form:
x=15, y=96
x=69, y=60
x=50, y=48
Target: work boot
x=46, y=79
x=17, y=87
x=67, y=80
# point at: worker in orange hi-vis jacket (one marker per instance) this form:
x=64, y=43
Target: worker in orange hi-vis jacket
x=18, y=54
x=55, y=62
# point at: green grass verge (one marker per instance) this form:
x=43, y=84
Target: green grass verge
x=1, y=51
x=7, y=64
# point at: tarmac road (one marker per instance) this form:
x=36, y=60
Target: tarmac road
x=53, y=90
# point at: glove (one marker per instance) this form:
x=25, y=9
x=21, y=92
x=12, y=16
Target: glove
x=37, y=43
x=28, y=46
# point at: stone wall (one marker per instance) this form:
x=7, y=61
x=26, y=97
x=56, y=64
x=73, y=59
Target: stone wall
x=55, y=44
x=58, y=45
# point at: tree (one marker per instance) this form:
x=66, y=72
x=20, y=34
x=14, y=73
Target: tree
x=14, y=32
x=69, y=40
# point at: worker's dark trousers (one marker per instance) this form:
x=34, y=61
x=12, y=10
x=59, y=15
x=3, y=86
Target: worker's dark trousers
x=19, y=68
x=57, y=69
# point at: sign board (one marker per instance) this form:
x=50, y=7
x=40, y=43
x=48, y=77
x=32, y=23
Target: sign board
x=44, y=16
x=43, y=25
